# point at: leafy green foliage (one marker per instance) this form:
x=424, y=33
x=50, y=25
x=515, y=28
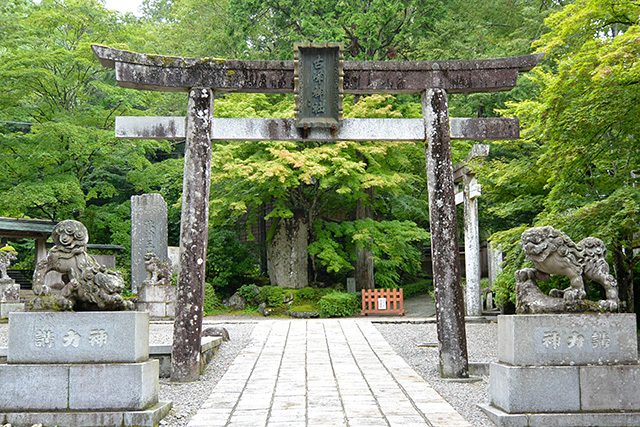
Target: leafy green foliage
x=229, y=262
x=310, y=294
x=372, y=30
x=58, y=152
x=582, y=129
x=339, y=304
x=249, y=293
x=212, y=303
x=272, y=296
x=393, y=243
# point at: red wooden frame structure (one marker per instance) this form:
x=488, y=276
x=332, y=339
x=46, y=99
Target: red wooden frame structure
x=394, y=301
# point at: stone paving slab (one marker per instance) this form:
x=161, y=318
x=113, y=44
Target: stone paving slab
x=322, y=373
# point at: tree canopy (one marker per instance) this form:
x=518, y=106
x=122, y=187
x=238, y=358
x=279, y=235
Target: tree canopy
x=577, y=170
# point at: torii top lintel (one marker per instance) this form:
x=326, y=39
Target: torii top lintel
x=176, y=74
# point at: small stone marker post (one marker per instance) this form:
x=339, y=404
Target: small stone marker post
x=148, y=234
x=444, y=236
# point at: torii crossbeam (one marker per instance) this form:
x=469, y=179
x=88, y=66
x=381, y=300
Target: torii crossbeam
x=203, y=77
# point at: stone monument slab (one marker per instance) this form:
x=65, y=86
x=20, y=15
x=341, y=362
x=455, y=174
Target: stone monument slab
x=83, y=337
x=148, y=234
x=567, y=339
x=121, y=386
x=33, y=387
x=518, y=389
x=351, y=284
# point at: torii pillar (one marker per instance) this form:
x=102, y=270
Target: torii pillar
x=445, y=256
x=471, y=192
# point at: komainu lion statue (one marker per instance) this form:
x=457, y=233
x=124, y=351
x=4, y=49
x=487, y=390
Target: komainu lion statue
x=7, y=255
x=553, y=252
x=159, y=273
x=86, y=285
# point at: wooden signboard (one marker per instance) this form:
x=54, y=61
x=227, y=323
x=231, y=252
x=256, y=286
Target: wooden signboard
x=318, y=84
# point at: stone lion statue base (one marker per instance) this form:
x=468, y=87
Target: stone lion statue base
x=86, y=285
x=553, y=252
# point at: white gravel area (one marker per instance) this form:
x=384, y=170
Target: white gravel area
x=417, y=344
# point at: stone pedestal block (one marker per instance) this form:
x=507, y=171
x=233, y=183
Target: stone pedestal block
x=565, y=370
x=534, y=389
x=80, y=370
x=155, y=309
x=149, y=417
x=157, y=300
x=170, y=309
x=86, y=337
x=10, y=307
x=158, y=309
x=567, y=339
x=605, y=387
x=123, y=386
x=9, y=292
x=157, y=293
x=34, y=387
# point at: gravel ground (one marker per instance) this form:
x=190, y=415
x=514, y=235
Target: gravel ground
x=417, y=344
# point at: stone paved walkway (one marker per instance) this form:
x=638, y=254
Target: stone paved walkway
x=322, y=373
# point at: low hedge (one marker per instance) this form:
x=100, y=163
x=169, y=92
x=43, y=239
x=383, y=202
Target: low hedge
x=339, y=304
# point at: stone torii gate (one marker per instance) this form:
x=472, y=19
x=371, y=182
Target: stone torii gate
x=469, y=198
x=204, y=77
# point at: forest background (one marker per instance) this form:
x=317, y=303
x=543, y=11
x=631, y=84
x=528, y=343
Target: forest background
x=575, y=167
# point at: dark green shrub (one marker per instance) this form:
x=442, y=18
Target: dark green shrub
x=249, y=293
x=212, y=303
x=339, y=304
x=272, y=296
x=311, y=294
x=229, y=261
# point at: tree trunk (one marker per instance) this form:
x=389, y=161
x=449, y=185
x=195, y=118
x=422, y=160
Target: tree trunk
x=287, y=255
x=364, y=273
x=194, y=231
x=623, y=266
x=452, y=337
